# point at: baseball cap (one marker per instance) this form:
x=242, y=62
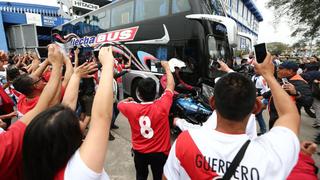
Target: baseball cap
x=289, y=65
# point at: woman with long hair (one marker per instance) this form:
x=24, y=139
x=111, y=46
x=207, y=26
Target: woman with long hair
x=53, y=146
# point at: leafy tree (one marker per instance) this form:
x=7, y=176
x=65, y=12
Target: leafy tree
x=277, y=47
x=304, y=15
x=300, y=44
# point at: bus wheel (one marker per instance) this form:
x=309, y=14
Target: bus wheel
x=134, y=90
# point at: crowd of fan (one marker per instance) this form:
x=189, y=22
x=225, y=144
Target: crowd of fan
x=55, y=101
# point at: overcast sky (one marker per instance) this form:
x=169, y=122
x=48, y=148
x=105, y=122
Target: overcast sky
x=271, y=32
x=268, y=32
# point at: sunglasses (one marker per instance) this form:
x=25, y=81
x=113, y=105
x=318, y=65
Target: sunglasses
x=40, y=78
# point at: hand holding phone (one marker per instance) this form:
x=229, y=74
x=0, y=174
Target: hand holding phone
x=285, y=81
x=260, y=52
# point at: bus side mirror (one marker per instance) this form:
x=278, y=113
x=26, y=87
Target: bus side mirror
x=229, y=23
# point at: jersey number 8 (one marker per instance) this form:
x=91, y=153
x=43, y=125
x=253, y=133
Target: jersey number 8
x=145, y=127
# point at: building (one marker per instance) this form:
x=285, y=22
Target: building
x=247, y=16
x=75, y=8
x=25, y=27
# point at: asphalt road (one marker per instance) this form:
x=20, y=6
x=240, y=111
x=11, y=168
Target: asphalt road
x=119, y=163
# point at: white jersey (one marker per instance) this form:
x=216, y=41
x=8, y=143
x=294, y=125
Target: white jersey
x=211, y=123
x=260, y=84
x=205, y=154
x=77, y=169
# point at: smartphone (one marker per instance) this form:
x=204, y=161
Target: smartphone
x=260, y=51
x=285, y=81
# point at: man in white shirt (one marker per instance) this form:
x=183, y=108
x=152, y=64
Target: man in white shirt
x=207, y=153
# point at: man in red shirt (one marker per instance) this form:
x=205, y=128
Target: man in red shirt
x=150, y=131
x=11, y=140
x=31, y=86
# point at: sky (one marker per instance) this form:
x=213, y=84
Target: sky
x=271, y=32
x=268, y=31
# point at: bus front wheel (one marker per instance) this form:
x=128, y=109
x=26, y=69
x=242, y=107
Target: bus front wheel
x=134, y=90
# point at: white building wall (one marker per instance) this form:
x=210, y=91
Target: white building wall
x=247, y=22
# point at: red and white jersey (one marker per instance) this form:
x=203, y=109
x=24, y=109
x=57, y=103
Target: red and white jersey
x=260, y=83
x=149, y=122
x=206, y=154
x=211, y=123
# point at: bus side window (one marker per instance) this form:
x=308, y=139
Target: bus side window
x=180, y=6
x=100, y=21
x=147, y=9
x=122, y=14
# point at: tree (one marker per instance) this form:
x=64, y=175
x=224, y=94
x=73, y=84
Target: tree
x=302, y=43
x=303, y=13
x=277, y=48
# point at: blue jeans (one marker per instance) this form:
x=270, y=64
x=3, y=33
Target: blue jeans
x=261, y=122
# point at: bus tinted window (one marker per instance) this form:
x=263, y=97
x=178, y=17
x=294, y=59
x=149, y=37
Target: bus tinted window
x=68, y=28
x=180, y=6
x=103, y=19
x=122, y=14
x=147, y=9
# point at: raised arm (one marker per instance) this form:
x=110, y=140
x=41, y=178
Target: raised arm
x=224, y=67
x=35, y=62
x=41, y=68
x=64, y=83
x=69, y=71
x=170, y=80
x=71, y=94
x=76, y=58
x=55, y=58
x=93, y=150
x=287, y=110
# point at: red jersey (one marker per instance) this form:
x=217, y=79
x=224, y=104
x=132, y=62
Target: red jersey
x=118, y=68
x=11, y=151
x=25, y=104
x=149, y=122
x=304, y=169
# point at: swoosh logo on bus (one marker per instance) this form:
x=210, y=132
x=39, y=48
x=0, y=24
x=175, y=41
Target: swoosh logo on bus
x=66, y=38
x=164, y=40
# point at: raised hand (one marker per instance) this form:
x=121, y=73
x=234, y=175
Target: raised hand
x=76, y=51
x=3, y=55
x=223, y=67
x=86, y=69
x=55, y=55
x=289, y=88
x=308, y=147
x=34, y=55
x=106, y=56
